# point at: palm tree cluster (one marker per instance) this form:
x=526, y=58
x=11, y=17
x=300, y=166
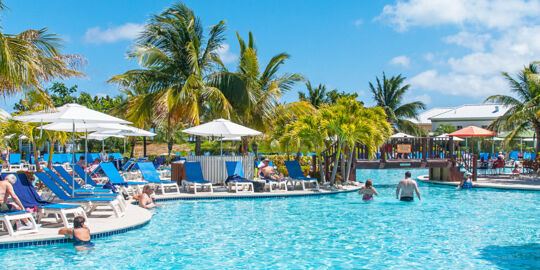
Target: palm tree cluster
x=182, y=81
x=524, y=104
x=345, y=124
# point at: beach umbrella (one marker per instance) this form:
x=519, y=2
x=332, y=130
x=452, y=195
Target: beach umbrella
x=446, y=137
x=222, y=128
x=70, y=113
x=102, y=137
x=473, y=131
x=401, y=135
x=130, y=131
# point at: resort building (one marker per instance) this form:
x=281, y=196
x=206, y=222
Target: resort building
x=480, y=115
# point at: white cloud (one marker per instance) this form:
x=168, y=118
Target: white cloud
x=500, y=36
x=126, y=31
x=499, y=14
x=475, y=42
x=401, y=60
x=358, y=22
x=225, y=54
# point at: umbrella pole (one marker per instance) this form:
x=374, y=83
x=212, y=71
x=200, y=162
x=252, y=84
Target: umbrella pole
x=103, y=145
x=72, y=160
x=85, y=153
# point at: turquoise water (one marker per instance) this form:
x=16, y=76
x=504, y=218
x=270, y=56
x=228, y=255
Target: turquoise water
x=448, y=229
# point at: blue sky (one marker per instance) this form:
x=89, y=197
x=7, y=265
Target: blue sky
x=451, y=51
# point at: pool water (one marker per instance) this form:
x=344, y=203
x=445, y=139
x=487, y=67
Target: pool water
x=448, y=229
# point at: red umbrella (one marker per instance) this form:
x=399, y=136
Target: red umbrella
x=472, y=131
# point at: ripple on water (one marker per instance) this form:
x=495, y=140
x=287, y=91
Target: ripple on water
x=447, y=229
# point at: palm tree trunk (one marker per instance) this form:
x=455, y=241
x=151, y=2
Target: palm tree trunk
x=245, y=146
x=169, y=149
x=36, y=157
x=321, y=170
x=349, y=165
x=51, y=152
x=343, y=165
x=132, y=142
x=198, y=145
x=336, y=161
x=144, y=146
x=537, y=132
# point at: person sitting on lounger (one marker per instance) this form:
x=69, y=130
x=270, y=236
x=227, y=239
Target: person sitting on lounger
x=270, y=172
x=92, y=167
x=6, y=191
x=81, y=162
x=146, y=198
x=80, y=234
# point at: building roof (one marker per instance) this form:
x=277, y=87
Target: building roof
x=424, y=118
x=472, y=112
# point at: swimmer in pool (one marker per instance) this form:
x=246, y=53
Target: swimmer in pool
x=407, y=187
x=80, y=234
x=368, y=190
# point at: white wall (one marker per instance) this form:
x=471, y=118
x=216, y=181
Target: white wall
x=464, y=123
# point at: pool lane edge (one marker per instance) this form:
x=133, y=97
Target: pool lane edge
x=425, y=179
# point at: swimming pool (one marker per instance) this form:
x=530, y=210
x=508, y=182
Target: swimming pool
x=472, y=229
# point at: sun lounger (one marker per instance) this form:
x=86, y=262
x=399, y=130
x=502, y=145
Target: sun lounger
x=272, y=184
x=76, y=192
x=89, y=203
x=7, y=218
x=195, y=178
x=150, y=174
x=295, y=172
x=69, y=179
x=79, y=171
x=235, y=168
x=30, y=198
x=15, y=162
x=116, y=179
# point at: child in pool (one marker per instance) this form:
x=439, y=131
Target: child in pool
x=368, y=190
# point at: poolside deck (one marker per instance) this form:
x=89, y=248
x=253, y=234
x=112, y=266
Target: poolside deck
x=101, y=223
x=503, y=181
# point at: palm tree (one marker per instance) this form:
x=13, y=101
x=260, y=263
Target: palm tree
x=255, y=94
x=316, y=96
x=176, y=62
x=524, y=105
x=32, y=57
x=388, y=94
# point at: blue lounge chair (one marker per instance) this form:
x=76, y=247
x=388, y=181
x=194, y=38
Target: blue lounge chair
x=79, y=171
x=30, y=198
x=69, y=179
x=127, y=166
x=88, y=203
x=271, y=183
x=150, y=174
x=76, y=192
x=295, y=172
x=235, y=168
x=195, y=178
x=15, y=162
x=116, y=179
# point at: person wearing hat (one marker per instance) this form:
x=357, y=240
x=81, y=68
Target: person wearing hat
x=270, y=172
x=466, y=182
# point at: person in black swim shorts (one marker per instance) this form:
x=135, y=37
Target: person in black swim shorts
x=407, y=187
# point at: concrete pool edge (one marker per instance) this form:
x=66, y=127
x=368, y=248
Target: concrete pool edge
x=228, y=196
x=135, y=219
x=425, y=179
x=53, y=239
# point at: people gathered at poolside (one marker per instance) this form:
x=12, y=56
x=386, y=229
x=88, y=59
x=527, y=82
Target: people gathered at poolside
x=6, y=192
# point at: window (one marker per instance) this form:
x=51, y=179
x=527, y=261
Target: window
x=459, y=127
x=484, y=126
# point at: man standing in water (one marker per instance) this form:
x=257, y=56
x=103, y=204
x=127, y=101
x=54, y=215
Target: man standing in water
x=407, y=187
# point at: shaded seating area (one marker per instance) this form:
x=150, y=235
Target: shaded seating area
x=150, y=175
x=195, y=178
x=236, y=180
x=88, y=203
x=30, y=199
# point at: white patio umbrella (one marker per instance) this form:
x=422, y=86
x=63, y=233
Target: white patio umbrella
x=222, y=128
x=70, y=113
x=445, y=136
x=128, y=131
x=102, y=137
x=401, y=135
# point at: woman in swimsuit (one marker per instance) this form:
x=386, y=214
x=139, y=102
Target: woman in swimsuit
x=80, y=234
x=146, y=197
x=368, y=190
